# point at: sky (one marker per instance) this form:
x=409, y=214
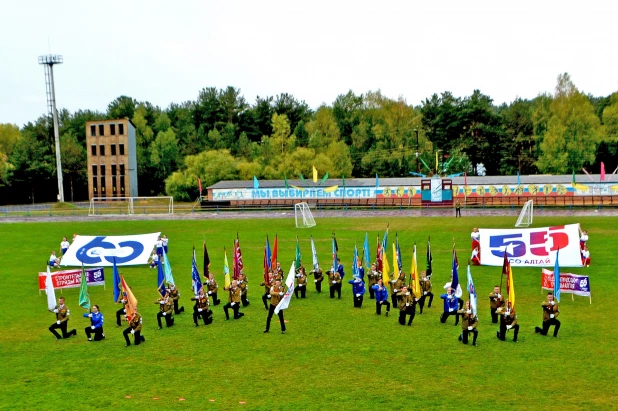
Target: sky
x=166, y=52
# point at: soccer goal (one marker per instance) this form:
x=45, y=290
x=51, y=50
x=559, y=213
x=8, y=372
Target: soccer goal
x=303, y=216
x=108, y=206
x=526, y=215
x=130, y=205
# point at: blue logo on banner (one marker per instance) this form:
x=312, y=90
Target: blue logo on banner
x=100, y=243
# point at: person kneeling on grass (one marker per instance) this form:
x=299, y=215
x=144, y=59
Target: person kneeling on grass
x=166, y=310
x=450, y=306
x=381, y=295
x=135, y=329
x=96, y=324
x=469, y=322
x=54, y=261
x=508, y=321
x=358, y=290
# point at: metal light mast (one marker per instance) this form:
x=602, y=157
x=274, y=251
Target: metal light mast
x=49, y=62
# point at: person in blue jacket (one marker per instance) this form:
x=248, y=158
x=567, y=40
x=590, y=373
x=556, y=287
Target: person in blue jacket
x=358, y=289
x=96, y=324
x=381, y=295
x=340, y=268
x=451, y=305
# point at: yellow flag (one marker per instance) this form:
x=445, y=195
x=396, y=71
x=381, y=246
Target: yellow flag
x=436, y=161
x=510, y=286
x=385, y=268
x=396, y=265
x=226, y=269
x=331, y=189
x=131, y=304
x=416, y=285
x=315, y=175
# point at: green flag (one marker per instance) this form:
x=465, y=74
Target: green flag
x=323, y=179
x=285, y=179
x=301, y=177
x=297, y=261
x=84, y=297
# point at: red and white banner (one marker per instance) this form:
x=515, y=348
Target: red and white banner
x=72, y=278
x=531, y=247
x=569, y=283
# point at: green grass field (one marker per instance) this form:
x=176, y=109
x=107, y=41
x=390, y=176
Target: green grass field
x=333, y=356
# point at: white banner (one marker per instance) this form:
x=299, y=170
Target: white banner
x=531, y=247
x=289, y=281
x=101, y=250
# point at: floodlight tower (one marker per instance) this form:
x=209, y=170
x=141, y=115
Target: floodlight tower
x=49, y=62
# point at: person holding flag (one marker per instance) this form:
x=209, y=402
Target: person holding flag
x=96, y=324
x=426, y=290
x=318, y=277
x=335, y=282
x=62, y=320
x=135, y=329
x=374, y=276
x=340, y=269
x=166, y=310
x=450, y=306
x=358, y=290
x=381, y=296
x=213, y=288
x=243, y=285
x=233, y=302
x=397, y=285
x=267, y=284
x=407, y=305
x=551, y=311
x=508, y=321
x=275, y=294
x=175, y=296
x=201, y=308
x=469, y=323
x=496, y=301
x=301, y=283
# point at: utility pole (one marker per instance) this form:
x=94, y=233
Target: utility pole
x=49, y=62
x=418, y=170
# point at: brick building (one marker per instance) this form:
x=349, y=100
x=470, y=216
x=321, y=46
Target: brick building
x=112, y=159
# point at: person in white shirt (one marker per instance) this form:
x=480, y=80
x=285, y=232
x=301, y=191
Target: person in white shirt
x=53, y=260
x=475, y=258
x=159, y=246
x=154, y=259
x=164, y=239
x=586, y=257
x=582, y=239
x=476, y=238
x=64, y=245
x=458, y=292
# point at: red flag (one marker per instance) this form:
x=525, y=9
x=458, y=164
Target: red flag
x=206, y=261
x=199, y=184
x=238, y=265
x=265, y=265
x=379, y=256
x=602, y=171
x=273, y=258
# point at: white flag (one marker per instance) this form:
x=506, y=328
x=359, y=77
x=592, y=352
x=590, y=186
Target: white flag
x=315, y=254
x=289, y=281
x=472, y=291
x=49, y=290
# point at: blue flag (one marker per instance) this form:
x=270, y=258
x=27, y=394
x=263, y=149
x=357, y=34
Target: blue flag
x=160, y=279
x=557, y=279
x=256, y=183
x=366, y=251
x=455, y=281
x=167, y=268
x=268, y=254
x=518, y=178
x=472, y=291
x=355, y=272
x=116, y=282
x=377, y=181
x=398, y=252
x=195, y=275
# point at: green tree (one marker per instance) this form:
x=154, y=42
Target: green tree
x=9, y=137
x=573, y=131
x=164, y=156
x=122, y=107
x=73, y=156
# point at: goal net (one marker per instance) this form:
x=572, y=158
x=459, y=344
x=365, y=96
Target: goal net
x=526, y=215
x=130, y=205
x=303, y=216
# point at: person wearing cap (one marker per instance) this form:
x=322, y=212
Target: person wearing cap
x=62, y=320
x=166, y=310
x=233, y=301
x=276, y=294
x=122, y=299
x=457, y=292
x=267, y=284
x=242, y=284
x=213, y=287
x=373, y=278
x=397, y=285
x=175, y=296
x=318, y=277
x=551, y=311
x=450, y=306
x=135, y=329
x=508, y=321
x=201, y=308
x=381, y=296
x=96, y=324
x=426, y=289
x=301, y=283
x=407, y=305
x=358, y=290
x=469, y=322
x=335, y=282
x=496, y=301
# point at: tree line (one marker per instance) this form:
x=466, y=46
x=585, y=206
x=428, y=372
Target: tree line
x=220, y=136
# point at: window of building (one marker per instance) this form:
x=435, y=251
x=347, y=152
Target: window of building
x=121, y=149
x=121, y=169
x=94, y=185
x=102, y=184
x=113, y=169
x=102, y=171
x=101, y=129
x=114, y=186
x=121, y=129
x=94, y=170
x=113, y=147
x=93, y=149
x=122, y=185
x=112, y=129
x=102, y=149
x=93, y=130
